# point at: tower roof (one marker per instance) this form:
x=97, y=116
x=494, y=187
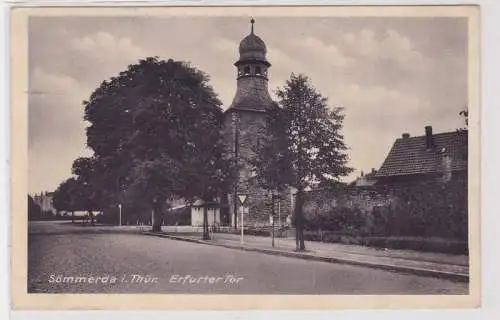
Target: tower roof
x=252, y=47
x=252, y=92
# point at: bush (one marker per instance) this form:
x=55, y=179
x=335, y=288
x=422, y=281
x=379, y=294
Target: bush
x=248, y=231
x=404, y=243
x=418, y=244
x=340, y=219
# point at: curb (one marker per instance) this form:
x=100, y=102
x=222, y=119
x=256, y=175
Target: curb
x=460, y=277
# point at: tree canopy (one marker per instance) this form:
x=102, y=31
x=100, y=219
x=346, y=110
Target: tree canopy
x=155, y=130
x=66, y=196
x=34, y=210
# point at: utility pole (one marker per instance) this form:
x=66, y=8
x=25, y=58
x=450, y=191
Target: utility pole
x=236, y=180
x=272, y=216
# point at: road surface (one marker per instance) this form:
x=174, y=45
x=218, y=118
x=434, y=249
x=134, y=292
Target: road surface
x=64, y=258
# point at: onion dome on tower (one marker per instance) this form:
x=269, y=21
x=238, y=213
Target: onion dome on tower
x=252, y=47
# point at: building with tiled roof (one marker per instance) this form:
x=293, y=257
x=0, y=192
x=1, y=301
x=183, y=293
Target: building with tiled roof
x=440, y=156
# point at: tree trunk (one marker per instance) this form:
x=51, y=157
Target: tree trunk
x=91, y=217
x=299, y=225
x=72, y=217
x=297, y=241
x=156, y=223
x=235, y=209
x=206, y=235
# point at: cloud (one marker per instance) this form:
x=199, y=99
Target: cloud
x=224, y=45
x=390, y=46
x=58, y=101
x=101, y=55
x=44, y=82
x=56, y=128
x=381, y=100
x=104, y=44
x=317, y=50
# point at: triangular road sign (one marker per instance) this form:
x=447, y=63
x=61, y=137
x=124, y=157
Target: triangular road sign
x=243, y=198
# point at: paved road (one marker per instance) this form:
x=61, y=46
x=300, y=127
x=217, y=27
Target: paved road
x=69, y=259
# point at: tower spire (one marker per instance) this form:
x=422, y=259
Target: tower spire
x=252, y=21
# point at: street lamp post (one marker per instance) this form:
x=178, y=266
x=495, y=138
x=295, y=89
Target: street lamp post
x=272, y=217
x=120, y=208
x=279, y=213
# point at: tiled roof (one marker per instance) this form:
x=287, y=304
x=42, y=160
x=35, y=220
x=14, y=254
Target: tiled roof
x=410, y=155
x=252, y=94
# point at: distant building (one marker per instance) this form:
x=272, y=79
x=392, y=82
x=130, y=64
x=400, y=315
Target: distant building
x=44, y=200
x=365, y=179
x=431, y=157
x=213, y=214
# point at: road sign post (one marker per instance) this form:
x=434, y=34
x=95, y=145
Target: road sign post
x=243, y=200
x=241, y=222
x=272, y=226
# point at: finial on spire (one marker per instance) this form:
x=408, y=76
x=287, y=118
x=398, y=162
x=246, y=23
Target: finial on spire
x=252, y=21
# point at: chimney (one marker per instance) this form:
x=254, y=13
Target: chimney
x=429, y=141
x=405, y=135
x=374, y=171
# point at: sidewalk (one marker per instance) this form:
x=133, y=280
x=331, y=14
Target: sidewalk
x=453, y=267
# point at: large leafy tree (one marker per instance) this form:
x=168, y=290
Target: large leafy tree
x=155, y=131
x=206, y=170
x=66, y=197
x=34, y=210
x=92, y=196
x=305, y=147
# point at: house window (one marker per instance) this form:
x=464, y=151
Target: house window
x=258, y=70
x=246, y=70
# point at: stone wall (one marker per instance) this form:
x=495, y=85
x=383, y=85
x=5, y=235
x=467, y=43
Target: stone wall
x=364, y=198
x=424, y=208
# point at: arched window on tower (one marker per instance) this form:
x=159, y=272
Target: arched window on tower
x=246, y=71
x=258, y=71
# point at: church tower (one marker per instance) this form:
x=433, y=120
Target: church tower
x=245, y=123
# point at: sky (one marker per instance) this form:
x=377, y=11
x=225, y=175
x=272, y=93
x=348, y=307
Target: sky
x=391, y=75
